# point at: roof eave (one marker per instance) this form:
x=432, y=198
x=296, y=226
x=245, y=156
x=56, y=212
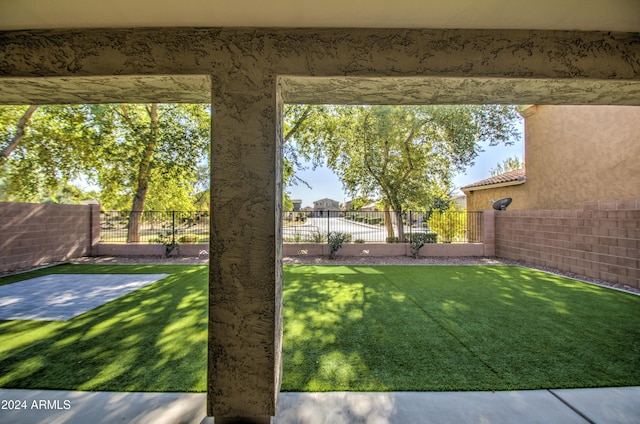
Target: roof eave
x=519, y=181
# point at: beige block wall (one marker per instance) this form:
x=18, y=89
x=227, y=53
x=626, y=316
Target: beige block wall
x=601, y=241
x=37, y=234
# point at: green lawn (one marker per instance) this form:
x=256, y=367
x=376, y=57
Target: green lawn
x=454, y=328
x=153, y=339
x=346, y=328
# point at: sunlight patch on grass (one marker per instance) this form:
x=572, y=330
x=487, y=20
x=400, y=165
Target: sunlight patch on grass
x=346, y=328
x=455, y=328
x=152, y=339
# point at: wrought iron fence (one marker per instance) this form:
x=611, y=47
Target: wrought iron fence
x=156, y=226
x=305, y=227
x=383, y=227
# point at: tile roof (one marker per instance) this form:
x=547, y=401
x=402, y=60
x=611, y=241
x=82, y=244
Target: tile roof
x=507, y=177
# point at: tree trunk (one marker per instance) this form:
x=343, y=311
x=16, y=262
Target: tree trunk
x=400, y=225
x=388, y=222
x=144, y=170
x=22, y=122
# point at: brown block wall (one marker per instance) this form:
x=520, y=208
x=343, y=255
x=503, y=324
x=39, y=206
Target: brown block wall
x=35, y=234
x=601, y=241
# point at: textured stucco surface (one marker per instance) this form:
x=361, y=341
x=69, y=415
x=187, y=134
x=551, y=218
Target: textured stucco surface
x=574, y=154
x=485, y=65
x=111, y=89
x=248, y=68
x=577, y=154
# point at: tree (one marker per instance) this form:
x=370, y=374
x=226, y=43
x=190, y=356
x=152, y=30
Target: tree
x=43, y=149
x=135, y=154
x=162, y=145
x=303, y=121
x=509, y=164
x=403, y=155
x=15, y=139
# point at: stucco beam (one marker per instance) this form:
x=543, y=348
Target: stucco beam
x=106, y=89
x=449, y=90
x=559, y=65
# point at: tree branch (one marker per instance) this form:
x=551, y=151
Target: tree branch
x=408, y=152
x=298, y=123
x=17, y=138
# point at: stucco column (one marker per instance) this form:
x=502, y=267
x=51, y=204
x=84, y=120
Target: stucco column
x=245, y=275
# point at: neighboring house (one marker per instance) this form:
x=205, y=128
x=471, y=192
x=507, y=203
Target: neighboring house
x=322, y=205
x=573, y=154
x=370, y=207
x=297, y=205
x=460, y=202
x=480, y=195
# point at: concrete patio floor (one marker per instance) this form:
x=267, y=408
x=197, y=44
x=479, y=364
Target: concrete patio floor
x=601, y=406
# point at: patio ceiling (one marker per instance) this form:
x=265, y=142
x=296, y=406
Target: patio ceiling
x=583, y=15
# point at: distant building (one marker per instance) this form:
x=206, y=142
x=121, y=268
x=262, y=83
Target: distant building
x=323, y=205
x=297, y=205
x=370, y=207
x=459, y=201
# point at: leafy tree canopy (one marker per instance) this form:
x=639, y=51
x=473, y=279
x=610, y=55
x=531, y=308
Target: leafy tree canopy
x=404, y=155
x=509, y=164
x=112, y=146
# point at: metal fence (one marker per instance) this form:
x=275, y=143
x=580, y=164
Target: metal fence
x=156, y=227
x=382, y=227
x=305, y=227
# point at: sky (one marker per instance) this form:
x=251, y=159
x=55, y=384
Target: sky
x=325, y=184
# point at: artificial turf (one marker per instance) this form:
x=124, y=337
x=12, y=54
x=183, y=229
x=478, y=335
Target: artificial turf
x=153, y=339
x=354, y=328
x=424, y=328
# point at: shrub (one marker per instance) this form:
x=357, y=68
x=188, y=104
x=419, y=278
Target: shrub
x=189, y=238
x=420, y=239
x=450, y=225
x=316, y=238
x=392, y=239
x=166, y=239
x=336, y=240
x=359, y=241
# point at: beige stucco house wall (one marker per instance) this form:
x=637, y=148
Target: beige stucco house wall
x=574, y=154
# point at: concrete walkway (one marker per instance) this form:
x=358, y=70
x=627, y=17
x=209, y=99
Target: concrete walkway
x=602, y=406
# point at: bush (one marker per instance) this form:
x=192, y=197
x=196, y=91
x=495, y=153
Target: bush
x=450, y=225
x=189, y=238
x=392, y=239
x=336, y=240
x=420, y=239
x=316, y=238
x=168, y=240
x=359, y=241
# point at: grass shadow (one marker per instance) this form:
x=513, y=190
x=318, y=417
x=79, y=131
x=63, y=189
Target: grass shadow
x=454, y=328
x=152, y=339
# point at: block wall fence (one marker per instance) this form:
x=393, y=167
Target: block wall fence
x=35, y=234
x=601, y=241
